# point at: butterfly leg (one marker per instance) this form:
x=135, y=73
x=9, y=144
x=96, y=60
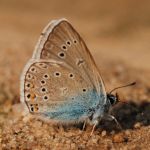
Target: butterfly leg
x=84, y=125
x=94, y=126
x=110, y=117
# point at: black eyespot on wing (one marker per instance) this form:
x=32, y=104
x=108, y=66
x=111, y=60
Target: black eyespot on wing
x=57, y=74
x=43, y=89
x=28, y=96
x=28, y=85
x=29, y=76
x=33, y=69
x=61, y=55
x=64, y=47
x=45, y=76
x=84, y=90
x=42, y=65
x=68, y=43
x=75, y=41
x=45, y=97
x=43, y=82
x=32, y=109
x=71, y=75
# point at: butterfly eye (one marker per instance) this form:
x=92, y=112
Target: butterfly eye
x=61, y=55
x=46, y=76
x=57, y=74
x=68, y=43
x=64, y=47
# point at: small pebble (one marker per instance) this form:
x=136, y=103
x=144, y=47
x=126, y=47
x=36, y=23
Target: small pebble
x=103, y=133
x=128, y=133
x=73, y=145
x=94, y=140
x=137, y=125
x=119, y=138
x=112, y=132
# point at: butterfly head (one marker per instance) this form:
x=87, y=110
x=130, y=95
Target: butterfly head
x=112, y=99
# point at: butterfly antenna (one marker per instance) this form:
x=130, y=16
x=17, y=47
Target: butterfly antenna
x=131, y=84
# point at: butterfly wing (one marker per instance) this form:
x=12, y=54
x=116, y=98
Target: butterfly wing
x=56, y=91
x=61, y=42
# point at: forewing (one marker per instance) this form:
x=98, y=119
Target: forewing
x=61, y=42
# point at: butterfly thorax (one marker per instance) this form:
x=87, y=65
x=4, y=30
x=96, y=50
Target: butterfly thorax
x=101, y=111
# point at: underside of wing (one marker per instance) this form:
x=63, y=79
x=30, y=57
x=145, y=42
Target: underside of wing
x=61, y=42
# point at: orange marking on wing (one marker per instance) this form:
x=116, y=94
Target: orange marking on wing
x=32, y=85
x=36, y=108
x=33, y=96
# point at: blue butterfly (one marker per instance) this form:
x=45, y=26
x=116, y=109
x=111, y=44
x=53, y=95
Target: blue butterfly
x=61, y=82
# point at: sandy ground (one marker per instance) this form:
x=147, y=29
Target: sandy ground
x=117, y=34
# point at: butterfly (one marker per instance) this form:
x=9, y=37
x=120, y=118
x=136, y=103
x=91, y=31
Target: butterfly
x=61, y=82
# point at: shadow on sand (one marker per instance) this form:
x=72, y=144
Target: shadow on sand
x=128, y=114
